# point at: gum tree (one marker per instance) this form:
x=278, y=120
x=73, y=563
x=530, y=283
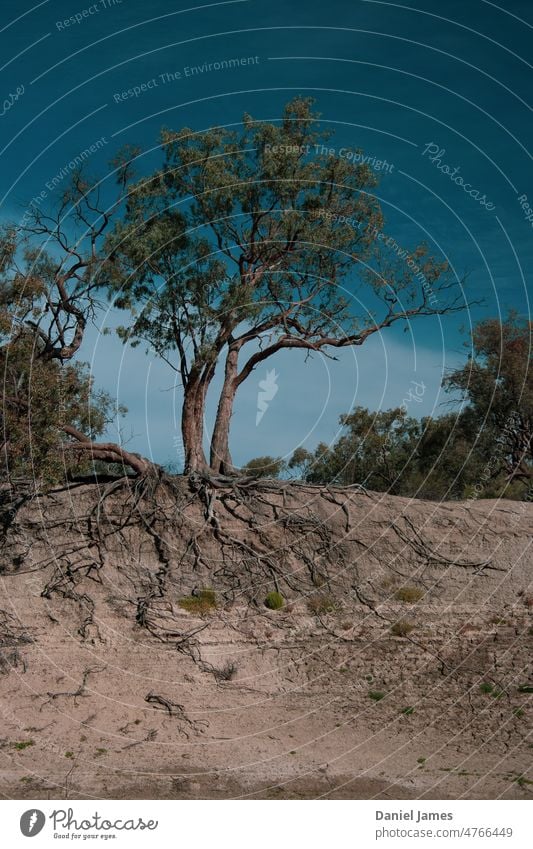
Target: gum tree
x=248, y=242
x=497, y=385
x=49, y=283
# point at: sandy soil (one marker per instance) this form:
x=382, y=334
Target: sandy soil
x=110, y=689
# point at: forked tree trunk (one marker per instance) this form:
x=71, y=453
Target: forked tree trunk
x=220, y=456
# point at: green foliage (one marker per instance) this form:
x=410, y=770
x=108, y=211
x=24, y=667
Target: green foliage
x=274, y=601
x=490, y=690
x=41, y=397
x=522, y=780
x=264, y=467
x=204, y=602
x=23, y=744
x=42, y=390
x=229, y=179
x=240, y=244
x=484, y=450
x=376, y=695
x=408, y=710
x=497, y=383
x=390, y=451
x=409, y=594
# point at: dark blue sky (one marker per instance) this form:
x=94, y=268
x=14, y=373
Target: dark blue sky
x=390, y=78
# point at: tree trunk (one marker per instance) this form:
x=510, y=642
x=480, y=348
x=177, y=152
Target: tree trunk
x=192, y=432
x=192, y=420
x=220, y=458
x=110, y=452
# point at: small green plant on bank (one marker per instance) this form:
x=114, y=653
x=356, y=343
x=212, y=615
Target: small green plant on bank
x=522, y=780
x=376, y=695
x=202, y=603
x=23, y=744
x=274, y=601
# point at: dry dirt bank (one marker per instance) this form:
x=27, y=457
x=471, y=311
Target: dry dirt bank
x=109, y=688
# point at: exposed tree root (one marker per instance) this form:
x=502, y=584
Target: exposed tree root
x=80, y=691
x=185, y=724
x=242, y=536
x=12, y=636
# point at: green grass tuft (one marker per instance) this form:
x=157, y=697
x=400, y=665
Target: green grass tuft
x=23, y=744
x=200, y=604
x=376, y=695
x=274, y=601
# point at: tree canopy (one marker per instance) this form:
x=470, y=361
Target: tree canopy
x=248, y=242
